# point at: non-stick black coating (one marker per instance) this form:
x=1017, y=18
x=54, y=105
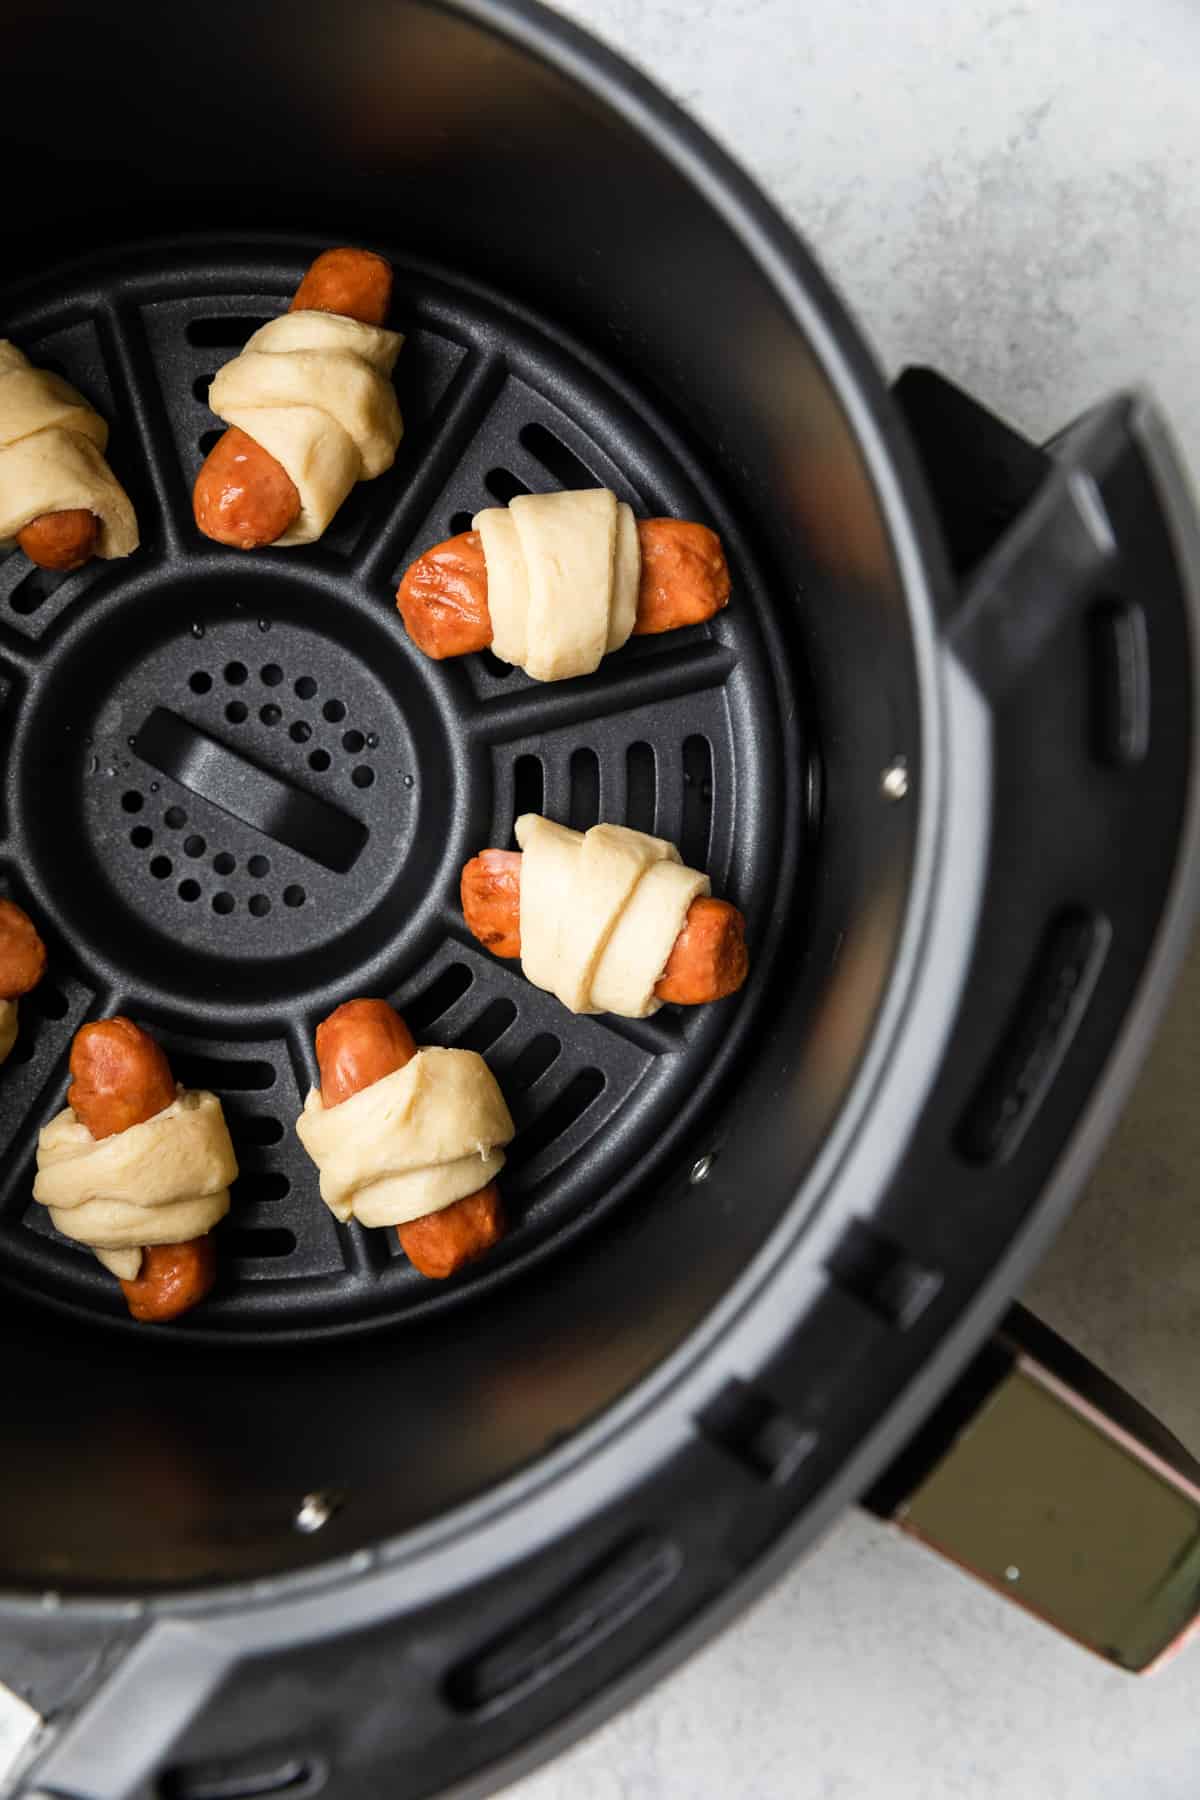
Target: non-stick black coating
x=237, y=795
x=434, y=136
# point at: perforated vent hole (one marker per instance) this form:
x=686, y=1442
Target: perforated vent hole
x=306, y=687
x=261, y=1186
x=223, y=863
x=189, y=890
x=460, y=522
x=529, y=786
x=439, y=997
x=34, y=590
x=697, y=802
x=585, y=789
x=132, y=802
x=160, y=867
x=503, y=485
x=554, y=455
x=271, y=675
x=300, y=731
x=267, y=1242
x=582, y=1091
x=540, y=1054
x=223, y=902
x=491, y=1024
x=194, y=846
x=259, y=866
x=141, y=837
x=48, y=1000
x=228, y=1076
x=363, y=777
x=209, y=440
x=353, y=741
x=334, y=711
x=270, y=714
x=294, y=896
x=200, y=682
x=237, y=712
x=175, y=818
x=236, y=673
x=319, y=761
x=225, y=331
x=641, y=783
x=259, y=905
x=259, y=1130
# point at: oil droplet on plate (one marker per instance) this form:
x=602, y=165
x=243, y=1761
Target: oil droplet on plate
x=408, y=781
x=154, y=787
x=264, y=624
x=197, y=631
x=372, y=740
x=94, y=765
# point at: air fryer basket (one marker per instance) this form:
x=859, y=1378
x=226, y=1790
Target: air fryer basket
x=239, y=795
x=343, y=1527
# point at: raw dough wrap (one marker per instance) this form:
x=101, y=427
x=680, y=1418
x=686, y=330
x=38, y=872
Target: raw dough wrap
x=52, y=447
x=411, y=1144
x=563, y=573
x=315, y=390
x=8, y=1027
x=600, y=911
x=161, y=1182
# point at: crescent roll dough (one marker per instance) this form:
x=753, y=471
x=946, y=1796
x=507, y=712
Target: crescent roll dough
x=600, y=911
x=8, y=1027
x=563, y=573
x=415, y=1142
x=160, y=1182
x=52, y=447
x=314, y=389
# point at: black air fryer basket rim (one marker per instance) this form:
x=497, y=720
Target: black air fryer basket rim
x=880, y=436
x=639, y=1433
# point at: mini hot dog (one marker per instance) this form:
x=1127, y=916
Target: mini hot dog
x=22, y=965
x=121, y=1080
x=52, y=445
x=707, y=961
x=243, y=496
x=359, y=1045
x=443, y=597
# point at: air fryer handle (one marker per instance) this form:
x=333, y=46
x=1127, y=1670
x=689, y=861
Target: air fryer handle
x=1044, y=1479
x=1038, y=1474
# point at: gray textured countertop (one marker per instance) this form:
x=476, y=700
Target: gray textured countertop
x=1011, y=193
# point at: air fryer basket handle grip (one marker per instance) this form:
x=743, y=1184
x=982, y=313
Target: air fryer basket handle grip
x=1076, y=622
x=1052, y=1485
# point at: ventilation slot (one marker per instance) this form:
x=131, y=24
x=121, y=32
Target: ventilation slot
x=529, y=786
x=580, y=1092
x=585, y=789
x=503, y=485
x=292, y=1778
x=259, y=1129
x=567, y=1627
x=540, y=1054
x=640, y=786
x=499, y=671
x=222, y=1077
x=210, y=439
x=438, y=998
x=228, y=331
x=1048, y=1014
x=492, y=1023
x=697, y=802
x=260, y=1188
x=47, y=1000
x=884, y=1277
x=553, y=454
x=268, y=1244
x=34, y=590
x=460, y=522
x=201, y=386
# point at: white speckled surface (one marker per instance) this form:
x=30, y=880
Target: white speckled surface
x=1013, y=194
